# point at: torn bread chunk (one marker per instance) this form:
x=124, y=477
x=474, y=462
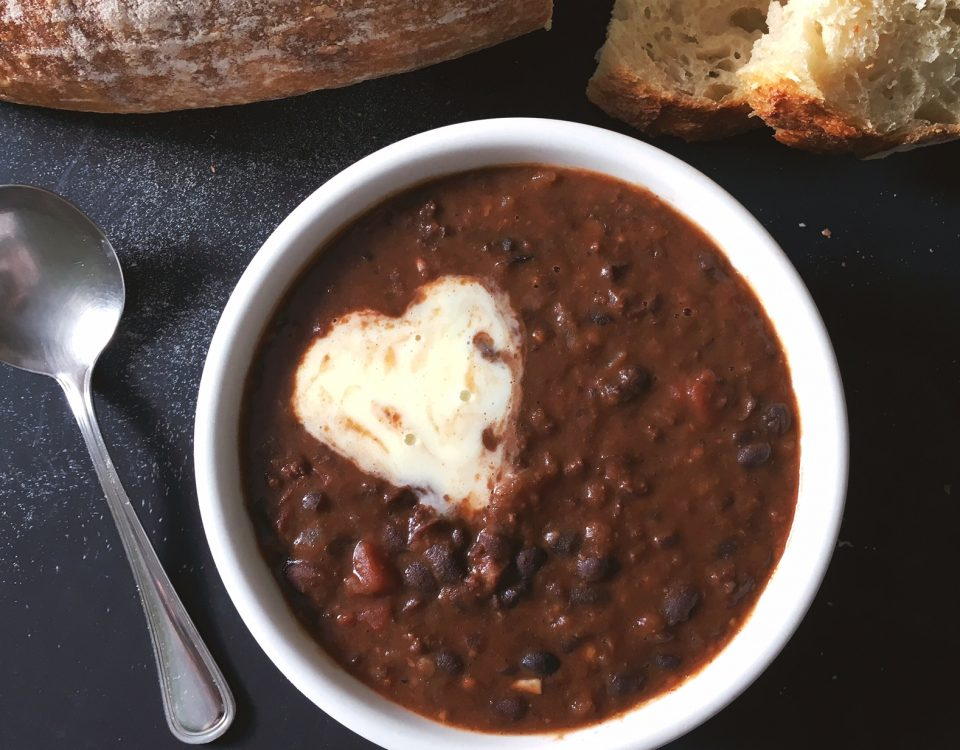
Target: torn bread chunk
x=670, y=67
x=861, y=76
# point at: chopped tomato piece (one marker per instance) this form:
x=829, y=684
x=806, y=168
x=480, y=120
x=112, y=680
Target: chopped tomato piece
x=372, y=573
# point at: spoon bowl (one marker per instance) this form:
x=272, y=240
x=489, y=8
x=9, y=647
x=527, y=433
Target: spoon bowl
x=59, y=307
x=61, y=297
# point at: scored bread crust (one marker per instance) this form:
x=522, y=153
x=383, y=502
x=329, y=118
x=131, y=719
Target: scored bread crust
x=619, y=92
x=804, y=121
x=160, y=55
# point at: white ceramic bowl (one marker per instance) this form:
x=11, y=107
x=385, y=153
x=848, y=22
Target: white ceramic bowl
x=816, y=381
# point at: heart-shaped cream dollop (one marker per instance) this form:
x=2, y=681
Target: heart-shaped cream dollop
x=425, y=400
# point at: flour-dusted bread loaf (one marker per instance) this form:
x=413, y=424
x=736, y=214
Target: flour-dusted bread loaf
x=671, y=66
x=156, y=55
x=866, y=76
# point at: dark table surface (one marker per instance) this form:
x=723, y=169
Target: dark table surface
x=187, y=198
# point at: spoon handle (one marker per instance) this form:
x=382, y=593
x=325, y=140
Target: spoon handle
x=196, y=699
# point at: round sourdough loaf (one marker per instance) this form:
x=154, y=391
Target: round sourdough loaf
x=158, y=55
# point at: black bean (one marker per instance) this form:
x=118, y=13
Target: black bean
x=421, y=521
x=587, y=595
x=744, y=587
x=296, y=469
x=562, y=542
x=445, y=564
x=399, y=500
x=511, y=709
x=625, y=385
x=431, y=231
x=601, y=318
x=624, y=683
x=516, y=260
x=542, y=663
x=394, y=538
x=448, y=661
x=594, y=568
x=492, y=545
x=679, y=604
x=777, y=419
x=707, y=263
x=314, y=501
x=418, y=577
x=339, y=545
x=753, y=455
x=427, y=210
x=726, y=548
x=569, y=644
x=666, y=541
x=742, y=437
x=529, y=560
x=667, y=662
x=633, y=379
x=511, y=595
x=614, y=271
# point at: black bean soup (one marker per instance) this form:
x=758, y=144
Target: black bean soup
x=656, y=465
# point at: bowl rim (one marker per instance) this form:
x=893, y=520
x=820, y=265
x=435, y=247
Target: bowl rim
x=823, y=460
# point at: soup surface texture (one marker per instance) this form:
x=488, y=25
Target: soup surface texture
x=648, y=462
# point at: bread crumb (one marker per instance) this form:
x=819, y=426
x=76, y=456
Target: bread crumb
x=826, y=232
x=213, y=168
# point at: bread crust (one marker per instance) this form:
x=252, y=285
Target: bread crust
x=157, y=55
x=622, y=94
x=807, y=122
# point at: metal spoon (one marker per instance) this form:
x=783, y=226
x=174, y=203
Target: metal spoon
x=61, y=296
